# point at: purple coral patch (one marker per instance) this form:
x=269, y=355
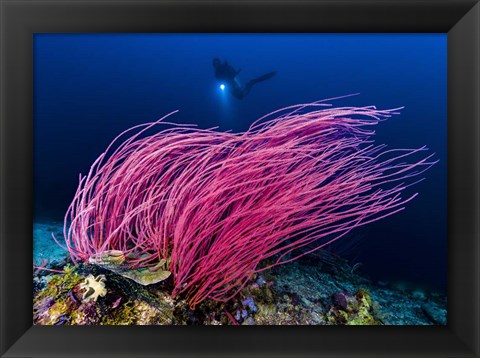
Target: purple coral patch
x=340, y=300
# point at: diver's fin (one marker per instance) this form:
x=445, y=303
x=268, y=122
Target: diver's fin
x=264, y=77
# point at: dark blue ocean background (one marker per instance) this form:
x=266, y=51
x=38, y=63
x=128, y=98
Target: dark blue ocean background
x=90, y=87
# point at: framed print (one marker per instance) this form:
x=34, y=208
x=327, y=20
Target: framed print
x=174, y=167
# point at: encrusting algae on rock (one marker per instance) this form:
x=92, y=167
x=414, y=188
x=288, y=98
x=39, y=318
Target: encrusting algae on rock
x=301, y=294
x=352, y=310
x=80, y=296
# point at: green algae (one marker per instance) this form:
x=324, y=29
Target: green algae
x=359, y=311
x=61, y=284
x=123, y=315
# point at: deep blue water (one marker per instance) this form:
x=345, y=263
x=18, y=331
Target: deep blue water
x=90, y=87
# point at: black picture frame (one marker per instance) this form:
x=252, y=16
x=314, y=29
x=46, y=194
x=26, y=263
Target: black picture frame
x=20, y=19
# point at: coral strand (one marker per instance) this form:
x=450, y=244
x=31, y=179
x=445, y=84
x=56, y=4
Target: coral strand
x=217, y=204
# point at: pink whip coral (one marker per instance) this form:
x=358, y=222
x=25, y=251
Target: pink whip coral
x=213, y=205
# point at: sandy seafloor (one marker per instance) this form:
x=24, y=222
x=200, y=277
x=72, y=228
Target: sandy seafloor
x=44, y=247
x=318, y=289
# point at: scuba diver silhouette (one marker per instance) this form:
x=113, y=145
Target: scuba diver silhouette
x=226, y=73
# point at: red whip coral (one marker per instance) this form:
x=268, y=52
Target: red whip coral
x=215, y=204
